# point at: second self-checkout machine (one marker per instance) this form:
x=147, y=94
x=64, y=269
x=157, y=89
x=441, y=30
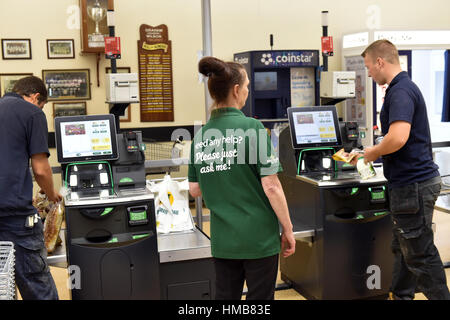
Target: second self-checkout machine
x=341, y=223
x=111, y=241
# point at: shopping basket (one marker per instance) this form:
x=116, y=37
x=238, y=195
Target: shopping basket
x=7, y=283
x=161, y=151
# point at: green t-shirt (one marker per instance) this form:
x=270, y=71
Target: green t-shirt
x=229, y=155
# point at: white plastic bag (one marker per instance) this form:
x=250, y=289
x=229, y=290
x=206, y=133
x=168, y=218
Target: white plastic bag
x=171, y=205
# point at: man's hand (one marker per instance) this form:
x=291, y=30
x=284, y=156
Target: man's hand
x=354, y=161
x=371, y=154
x=55, y=196
x=43, y=176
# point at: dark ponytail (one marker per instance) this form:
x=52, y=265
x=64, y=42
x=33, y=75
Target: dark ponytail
x=222, y=76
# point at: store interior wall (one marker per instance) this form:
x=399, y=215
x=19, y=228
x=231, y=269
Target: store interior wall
x=237, y=26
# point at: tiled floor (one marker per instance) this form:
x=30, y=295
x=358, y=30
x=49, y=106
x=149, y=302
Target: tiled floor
x=442, y=241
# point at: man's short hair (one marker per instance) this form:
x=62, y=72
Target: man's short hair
x=383, y=49
x=30, y=85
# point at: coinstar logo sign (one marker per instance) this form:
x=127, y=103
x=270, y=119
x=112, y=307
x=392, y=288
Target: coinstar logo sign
x=286, y=59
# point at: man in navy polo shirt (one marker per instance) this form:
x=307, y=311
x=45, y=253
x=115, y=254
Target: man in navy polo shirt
x=23, y=136
x=413, y=178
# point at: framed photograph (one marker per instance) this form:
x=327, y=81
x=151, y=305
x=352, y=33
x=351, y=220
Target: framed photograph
x=16, y=49
x=127, y=116
x=8, y=80
x=67, y=84
x=60, y=49
x=64, y=109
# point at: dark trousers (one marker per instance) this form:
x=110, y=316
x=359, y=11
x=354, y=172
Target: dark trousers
x=32, y=274
x=417, y=260
x=259, y=274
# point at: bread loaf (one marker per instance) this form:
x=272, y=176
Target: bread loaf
x=52, y=226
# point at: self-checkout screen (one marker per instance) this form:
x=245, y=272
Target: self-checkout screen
x=84, y=139
x=314, y=127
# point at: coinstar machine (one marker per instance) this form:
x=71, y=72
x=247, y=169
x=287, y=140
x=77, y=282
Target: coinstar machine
x=341, y=223
x=111, y=241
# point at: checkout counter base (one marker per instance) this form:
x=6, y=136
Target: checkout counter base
x=187, y=280
x=347, y=262
x=349, y=256
x=124, y=272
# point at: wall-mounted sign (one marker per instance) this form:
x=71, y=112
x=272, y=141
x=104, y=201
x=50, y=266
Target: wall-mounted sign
x=356, y=108
x=302, y=87
x=155, y=73
x=327, y=46
x=273, y=59
x=112, y=48
x=426, y=37
x=360, y=39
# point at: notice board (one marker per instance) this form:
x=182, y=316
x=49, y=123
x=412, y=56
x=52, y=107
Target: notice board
x=155, y=74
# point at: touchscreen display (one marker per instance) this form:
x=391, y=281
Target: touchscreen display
x=314, y=127
x=86, y=138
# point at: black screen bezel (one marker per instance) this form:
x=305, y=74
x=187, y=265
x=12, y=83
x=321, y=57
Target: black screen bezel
x=296, y=145
x=112, y=128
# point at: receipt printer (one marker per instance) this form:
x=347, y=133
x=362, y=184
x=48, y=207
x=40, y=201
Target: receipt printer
x=122, y=87
x=337, y=84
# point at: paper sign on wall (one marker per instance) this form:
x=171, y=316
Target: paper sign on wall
x=302, y=87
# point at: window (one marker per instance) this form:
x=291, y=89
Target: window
x=428, y=74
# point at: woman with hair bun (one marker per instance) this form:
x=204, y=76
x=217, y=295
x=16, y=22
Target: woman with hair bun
x=234, y=168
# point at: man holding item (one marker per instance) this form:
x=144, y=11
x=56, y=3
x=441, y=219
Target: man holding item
x=413, y=178
x=23, y=137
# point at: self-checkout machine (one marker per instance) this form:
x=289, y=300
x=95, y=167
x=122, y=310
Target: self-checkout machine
x=341, y=223
x=111, y=243
x=112, y=246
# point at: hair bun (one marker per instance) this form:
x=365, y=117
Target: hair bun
x=210, y=65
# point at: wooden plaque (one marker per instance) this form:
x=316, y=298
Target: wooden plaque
x=92, y=38
x=155, y=74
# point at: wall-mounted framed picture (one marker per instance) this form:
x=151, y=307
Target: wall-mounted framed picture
x=60, y=49
x=64, y=109
x=8, y=80
x=127, y=116
x=16, y=49
x=67, y=84
x=94, y=27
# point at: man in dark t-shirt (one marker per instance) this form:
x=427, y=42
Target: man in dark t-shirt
x=23, y=137
x=413, y=177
